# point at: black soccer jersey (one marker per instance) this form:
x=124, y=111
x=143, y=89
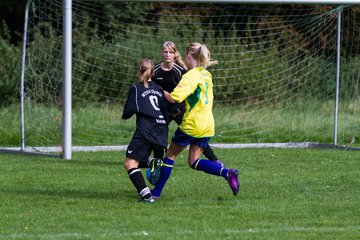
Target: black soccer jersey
x=168, y=81
x=149, y=105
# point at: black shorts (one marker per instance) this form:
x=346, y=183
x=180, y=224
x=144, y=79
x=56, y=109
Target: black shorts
x=140, y=149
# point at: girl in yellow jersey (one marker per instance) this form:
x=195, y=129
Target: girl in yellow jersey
x=168, y=74
x=197, y=126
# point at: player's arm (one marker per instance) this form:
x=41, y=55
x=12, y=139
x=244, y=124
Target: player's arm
x=181, y=91
x=130, y=107
x=168, y=97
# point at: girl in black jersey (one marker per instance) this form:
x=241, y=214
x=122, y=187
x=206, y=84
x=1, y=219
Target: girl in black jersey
x=146, y=100
x=168, y=73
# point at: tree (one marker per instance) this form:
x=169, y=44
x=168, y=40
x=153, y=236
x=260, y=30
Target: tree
x=12, y=13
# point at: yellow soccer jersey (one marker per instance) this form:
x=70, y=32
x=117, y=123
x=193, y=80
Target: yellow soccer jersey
x=196, y=88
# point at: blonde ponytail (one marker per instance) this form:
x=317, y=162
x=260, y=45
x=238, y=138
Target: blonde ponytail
x=145, y=71
x=201, y=54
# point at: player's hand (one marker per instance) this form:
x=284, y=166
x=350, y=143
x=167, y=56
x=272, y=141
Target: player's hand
x=177, y=112
x=168, y=97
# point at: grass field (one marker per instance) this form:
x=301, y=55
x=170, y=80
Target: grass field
x=310, y=121
x=285, y=194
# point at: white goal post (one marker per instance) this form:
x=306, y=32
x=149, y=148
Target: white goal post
x=266, y=64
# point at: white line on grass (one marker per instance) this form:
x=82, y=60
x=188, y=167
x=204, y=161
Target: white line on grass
x=294, y=229
x=182, y=233
x=43, y=235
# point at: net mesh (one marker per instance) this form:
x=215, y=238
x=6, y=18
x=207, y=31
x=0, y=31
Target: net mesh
x=275, y=81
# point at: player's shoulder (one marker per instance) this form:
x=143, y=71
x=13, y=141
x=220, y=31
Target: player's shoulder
x=157, y=66
x=195, y=73
x=179, y=68
x=140, y=87
x=134, y=86
x=133, y=89
x=137, y=85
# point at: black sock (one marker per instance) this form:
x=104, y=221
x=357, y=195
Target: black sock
x=209, y=154
x=139, y=182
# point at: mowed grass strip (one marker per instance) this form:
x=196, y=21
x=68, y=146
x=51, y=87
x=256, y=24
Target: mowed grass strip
x=285, y=194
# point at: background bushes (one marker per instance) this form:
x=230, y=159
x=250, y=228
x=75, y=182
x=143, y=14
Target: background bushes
x=95, y=38
x=10, y=68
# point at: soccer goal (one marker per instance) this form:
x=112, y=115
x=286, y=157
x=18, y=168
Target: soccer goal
x=288, y=72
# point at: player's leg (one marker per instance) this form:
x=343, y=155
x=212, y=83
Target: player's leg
x=166, y=168
x=137, y=179
x=158, y=152
x=177, y=115
x=179, y=142
x=144, y=164
x=209, y=167
x=209, y=154
x=174, y=151
x=204, y=165
x=138, y=150
x=154, y=168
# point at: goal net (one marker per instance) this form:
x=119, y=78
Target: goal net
x=275, y=82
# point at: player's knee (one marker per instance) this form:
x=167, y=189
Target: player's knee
x=130, y=163
x=126, y=165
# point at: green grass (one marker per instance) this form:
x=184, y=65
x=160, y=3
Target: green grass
x=101, y=124
x=285, y=194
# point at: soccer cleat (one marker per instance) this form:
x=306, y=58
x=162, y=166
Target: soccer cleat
x=233, y=180
x=154, y=196
x=219, y=163
x=153, y=172
x=147, y=200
